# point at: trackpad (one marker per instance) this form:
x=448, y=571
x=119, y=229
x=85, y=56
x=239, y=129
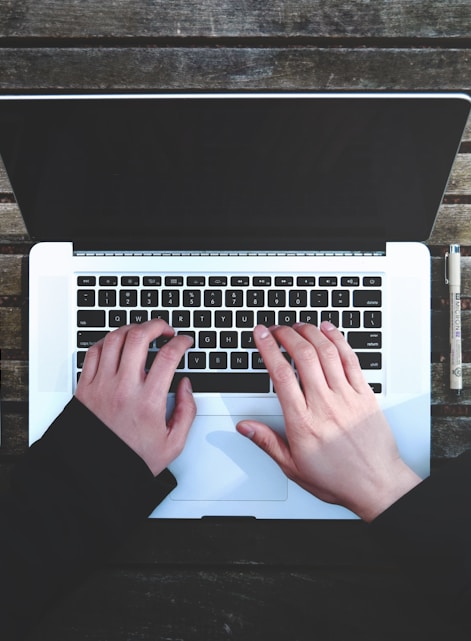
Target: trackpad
x=218, y=464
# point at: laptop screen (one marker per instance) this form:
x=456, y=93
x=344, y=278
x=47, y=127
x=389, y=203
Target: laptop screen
x=233, y=172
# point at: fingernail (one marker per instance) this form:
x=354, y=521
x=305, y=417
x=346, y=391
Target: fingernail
x=263, y=331
x=327, y=325
x=245, y=430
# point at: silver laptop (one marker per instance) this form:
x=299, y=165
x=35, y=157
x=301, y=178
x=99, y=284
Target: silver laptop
x=218, y=212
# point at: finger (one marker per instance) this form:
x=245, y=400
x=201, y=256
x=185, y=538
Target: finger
x=162, y=371
x=183, y=414
x=136, y=346
x=282, y=374
x=91, y=364
x=349, y=359
x=327, y=356
x=269, y=441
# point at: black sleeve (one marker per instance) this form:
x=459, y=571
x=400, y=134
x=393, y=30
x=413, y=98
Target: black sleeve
x=429, y=532
x=78, y=491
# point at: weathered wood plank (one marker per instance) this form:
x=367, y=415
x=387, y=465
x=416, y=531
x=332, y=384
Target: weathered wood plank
x=453, y=224
x=460, y=178
x=10, y=275
x=12, y=226
x=247, y=603
x=234, y=18
x=10, y=328
x=14, y=380
x=233, y=68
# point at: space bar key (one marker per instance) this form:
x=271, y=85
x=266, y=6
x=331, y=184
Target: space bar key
x=247, y=382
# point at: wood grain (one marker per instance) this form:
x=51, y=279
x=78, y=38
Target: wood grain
x=232, y=68
x=234, y=19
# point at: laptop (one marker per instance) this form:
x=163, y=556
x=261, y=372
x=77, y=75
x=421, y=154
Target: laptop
x=218, y=212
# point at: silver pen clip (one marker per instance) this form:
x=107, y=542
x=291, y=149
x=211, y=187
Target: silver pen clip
x=447, y=282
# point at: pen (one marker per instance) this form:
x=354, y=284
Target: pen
x=453, y=280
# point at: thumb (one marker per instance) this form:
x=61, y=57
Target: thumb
x=268, y=440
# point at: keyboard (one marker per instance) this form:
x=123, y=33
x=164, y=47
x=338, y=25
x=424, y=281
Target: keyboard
x=219, y=312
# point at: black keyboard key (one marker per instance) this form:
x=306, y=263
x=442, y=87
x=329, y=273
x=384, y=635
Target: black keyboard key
x=162, y=314
x=173, y=281
x=170, y=298
x=308, y=317
x=372, y=281
x=196, y=360
x=257, y=361
x=130, y=281
x=332, y=317
x=247, y=340
x=213, y=298
x=149, y=298
x=284, y=281
x=234, y=298
x=228, y=340
x=196, y=281
x=117, y=318
x=207, y=339
x=202, y=318
x=340, y=298
x=276, y=298
x=319, y=298
x=328, y=281
x=262, y=281
x=372, y=319
x=218, y=281
x=80, y=359
x=286, y=318
x=350, y=320
x=87, y=339
x=223, y=318
x=367, y=298
x=369, y=360
x=364, y=340
x=86, y=281
x=239, y=360
x=298, y=298
x=306, y=281
x=217, y=360
x=255, y=298
x=246, y=382
x=86, y=298
x=244, y=319
x=128, y=298
x=266, y=318
x=107, y=298
x=139, y=316
x=191, y=298
x=91, y=318
x=350, y=281
x=376, y=387
x=240, y=281
x=152, y=281
x=108, y=281
x=181, y=318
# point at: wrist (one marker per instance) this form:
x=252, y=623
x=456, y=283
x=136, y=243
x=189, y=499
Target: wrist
x=399, y=482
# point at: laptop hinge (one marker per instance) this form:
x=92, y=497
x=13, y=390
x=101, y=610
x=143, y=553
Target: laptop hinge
x=349, y=252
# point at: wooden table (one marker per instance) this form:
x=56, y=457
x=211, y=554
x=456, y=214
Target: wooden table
x=235, y=580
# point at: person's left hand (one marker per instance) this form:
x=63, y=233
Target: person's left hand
x=115, y=387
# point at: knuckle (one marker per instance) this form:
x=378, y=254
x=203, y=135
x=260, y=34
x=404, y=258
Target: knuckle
x=328, y=350
x=282, y=373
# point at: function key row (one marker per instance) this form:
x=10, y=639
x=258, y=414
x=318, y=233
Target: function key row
x=223, y=281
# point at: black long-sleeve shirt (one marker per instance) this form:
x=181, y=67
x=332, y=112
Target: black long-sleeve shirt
x=80, y=490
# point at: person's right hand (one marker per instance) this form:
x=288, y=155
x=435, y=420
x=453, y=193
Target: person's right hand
x=338, y=444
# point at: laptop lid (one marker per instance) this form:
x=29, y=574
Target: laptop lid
x=209, y=172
